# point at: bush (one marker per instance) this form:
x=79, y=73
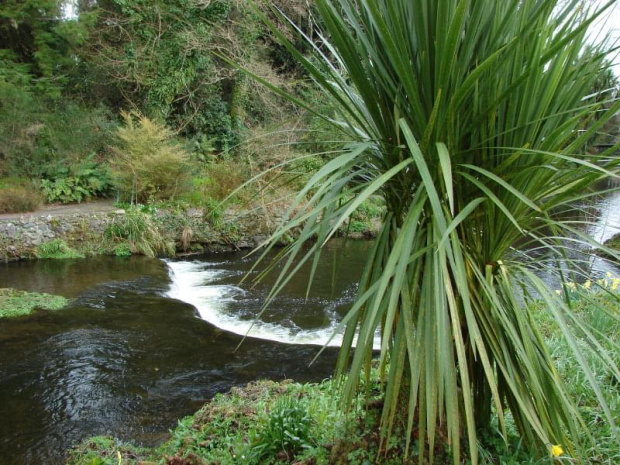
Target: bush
x=38, y=136
x=57, y=249
x=80, y=181
x=467, y=121
x=135, y=232
x=287, y=430
x=147, y=164
x=218, y=181
x=19, y=199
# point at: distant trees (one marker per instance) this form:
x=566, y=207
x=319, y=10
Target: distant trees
x=38, y=46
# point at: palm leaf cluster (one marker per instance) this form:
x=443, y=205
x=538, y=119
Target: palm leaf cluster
x=468, y=118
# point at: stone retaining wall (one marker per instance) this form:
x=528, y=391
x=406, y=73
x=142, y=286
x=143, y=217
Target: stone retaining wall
x=20, y=237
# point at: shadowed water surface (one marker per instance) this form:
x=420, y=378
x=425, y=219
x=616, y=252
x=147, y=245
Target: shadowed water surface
x=124, y=359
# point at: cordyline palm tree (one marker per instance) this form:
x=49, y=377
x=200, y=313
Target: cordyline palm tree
x=467, y=117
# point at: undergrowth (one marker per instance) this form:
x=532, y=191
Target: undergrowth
x=18, y=196
x=56, y=249
x=135, y=232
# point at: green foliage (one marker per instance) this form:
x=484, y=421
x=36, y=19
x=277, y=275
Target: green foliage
x=614, y=242
x=239, y=426
x=148, y=164
x=40, y=139
x=136, y=232
x=228, y=429
x=367, y=217
x=468, y=121
x=19, y=198
x=103, y=450
x=122, y=250
x=56, y=249
x=220, y=180
x=164, y=61
x=15, y=303
x=34, y=35
x=286, y=430
x=83, y=180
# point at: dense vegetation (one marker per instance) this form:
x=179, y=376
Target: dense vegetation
x=471, y=121
x=87, y=93
x=472, y=128
x=269, y=422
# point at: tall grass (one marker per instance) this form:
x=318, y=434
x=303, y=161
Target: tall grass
x=137, y=230
x=469, y=118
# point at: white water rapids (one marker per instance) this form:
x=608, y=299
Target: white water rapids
x=199, y=283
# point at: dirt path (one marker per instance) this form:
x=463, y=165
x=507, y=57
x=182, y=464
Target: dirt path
x=97, y=206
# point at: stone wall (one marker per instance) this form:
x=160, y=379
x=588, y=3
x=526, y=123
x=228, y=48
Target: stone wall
x=19, y=237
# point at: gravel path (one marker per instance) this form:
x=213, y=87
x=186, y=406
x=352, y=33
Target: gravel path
x=97, y=206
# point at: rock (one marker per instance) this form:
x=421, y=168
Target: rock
x=11, y=231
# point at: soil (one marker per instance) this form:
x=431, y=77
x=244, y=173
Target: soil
x=96, y=206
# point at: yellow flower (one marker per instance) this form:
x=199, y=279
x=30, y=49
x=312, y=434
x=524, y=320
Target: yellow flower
x=557, y=450
x=615, y=284
x=558, y=292
x=587, y=284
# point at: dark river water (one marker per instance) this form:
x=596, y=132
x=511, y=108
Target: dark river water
x=128, y=357
x=145, y=342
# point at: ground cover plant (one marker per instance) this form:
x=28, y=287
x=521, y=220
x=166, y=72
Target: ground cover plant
x=56, y=249
x=14, y=303
x=470, y=120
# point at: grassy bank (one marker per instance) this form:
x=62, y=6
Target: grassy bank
x=15, y=303
x=268, y=422
x=165, y=228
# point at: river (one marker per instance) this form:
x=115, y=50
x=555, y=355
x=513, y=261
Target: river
x=128, y=358
x=145, y=342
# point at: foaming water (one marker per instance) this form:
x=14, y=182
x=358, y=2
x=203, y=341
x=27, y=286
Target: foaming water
x=210, y=286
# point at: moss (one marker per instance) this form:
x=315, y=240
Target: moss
x=17, y=303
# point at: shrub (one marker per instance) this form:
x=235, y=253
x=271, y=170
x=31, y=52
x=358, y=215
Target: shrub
x=147, y=164
x=135, y=232
x=57, y=249
x=19, y=199
x=286, y=430
x=80, y=181
x=467, y=120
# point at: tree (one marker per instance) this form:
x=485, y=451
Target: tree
x=159, y=58
x=463, y=116
x=34, y=34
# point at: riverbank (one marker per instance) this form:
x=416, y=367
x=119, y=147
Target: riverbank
x=101, y=228
x=268, y=422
